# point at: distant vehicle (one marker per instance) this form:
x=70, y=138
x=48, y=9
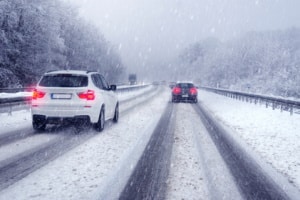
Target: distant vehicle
x=132, y=79
x=184, y=91
x=75, y=96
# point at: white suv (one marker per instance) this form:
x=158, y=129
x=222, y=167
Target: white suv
x=76, y=96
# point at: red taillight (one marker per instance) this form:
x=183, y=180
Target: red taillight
x=176, y=90
x=37, y=94
x=88, y=95
x=193, y=91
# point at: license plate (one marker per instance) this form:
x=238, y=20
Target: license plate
x=61, y=96
x=185, y=95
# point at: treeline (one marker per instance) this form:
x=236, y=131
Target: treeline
x=41, y=35
x=260, y=62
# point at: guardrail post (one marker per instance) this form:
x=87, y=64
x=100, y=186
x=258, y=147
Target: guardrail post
x=291, y=110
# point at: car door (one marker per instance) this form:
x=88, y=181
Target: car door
x=103, y=99
x=110, y=96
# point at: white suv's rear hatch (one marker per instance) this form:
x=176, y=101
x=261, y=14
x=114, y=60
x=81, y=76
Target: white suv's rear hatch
x=61, y=92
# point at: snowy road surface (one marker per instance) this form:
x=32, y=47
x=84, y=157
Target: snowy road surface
x=98, y=166
x=197, y=169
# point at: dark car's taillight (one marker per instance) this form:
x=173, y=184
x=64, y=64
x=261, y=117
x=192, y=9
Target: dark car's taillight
x=193, y=91
x=36, y=94
x=176, y=90
x=88, y=95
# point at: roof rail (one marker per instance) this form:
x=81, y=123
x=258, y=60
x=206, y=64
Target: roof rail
x=90, y=71
x=51, y=71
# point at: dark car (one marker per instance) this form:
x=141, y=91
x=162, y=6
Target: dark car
x=185, y=91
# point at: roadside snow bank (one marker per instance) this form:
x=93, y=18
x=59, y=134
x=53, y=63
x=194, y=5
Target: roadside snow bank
x=274, y=135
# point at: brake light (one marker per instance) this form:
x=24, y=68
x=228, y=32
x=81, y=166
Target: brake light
x=88, y=95
x=176, y=90
x=37, y=94
x=193, y=91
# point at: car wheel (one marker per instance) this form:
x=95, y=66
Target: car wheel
x=38, y=126
x=116, y=116
x=99, y=126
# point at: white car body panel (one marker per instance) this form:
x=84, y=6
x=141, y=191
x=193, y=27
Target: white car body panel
x=64, y=102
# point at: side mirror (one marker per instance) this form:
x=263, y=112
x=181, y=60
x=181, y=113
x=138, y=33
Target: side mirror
x=113, y=87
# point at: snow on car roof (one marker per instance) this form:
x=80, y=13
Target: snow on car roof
x=185, y=82
x=69, y=72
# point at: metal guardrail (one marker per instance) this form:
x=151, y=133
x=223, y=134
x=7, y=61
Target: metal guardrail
x=128, y=88
x=14, y=90
x=21, y=98
x=274, y=102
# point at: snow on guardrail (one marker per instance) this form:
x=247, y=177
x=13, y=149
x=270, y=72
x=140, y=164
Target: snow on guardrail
x=275, y=102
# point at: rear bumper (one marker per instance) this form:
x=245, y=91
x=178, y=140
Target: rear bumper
x=184, y=98
x=59, y=115
x=80, y=119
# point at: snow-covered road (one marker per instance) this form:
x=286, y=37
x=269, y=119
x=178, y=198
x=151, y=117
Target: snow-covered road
x=197, y=169
x=90, y=170
x=99, y=167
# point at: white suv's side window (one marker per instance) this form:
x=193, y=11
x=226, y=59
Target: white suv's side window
x=104, y=82
x=97, y=81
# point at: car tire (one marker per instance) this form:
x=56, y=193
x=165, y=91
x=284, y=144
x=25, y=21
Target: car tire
x=116, y=115
x=38, y=126
x=99, y=126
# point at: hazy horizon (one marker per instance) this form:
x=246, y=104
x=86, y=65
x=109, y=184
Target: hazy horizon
x=149, y=33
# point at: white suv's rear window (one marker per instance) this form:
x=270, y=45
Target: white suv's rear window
x=64, y=80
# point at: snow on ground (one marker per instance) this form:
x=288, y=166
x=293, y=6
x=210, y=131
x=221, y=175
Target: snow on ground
x=127, y=95
x=23, y=145
x=98, y=167
x=186, y=177
x=14, y=121
x=197, y=169
x=273, y=134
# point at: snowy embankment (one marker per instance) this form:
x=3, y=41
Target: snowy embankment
x=272, y=134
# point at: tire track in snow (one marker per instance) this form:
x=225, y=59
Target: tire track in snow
x=198, y=171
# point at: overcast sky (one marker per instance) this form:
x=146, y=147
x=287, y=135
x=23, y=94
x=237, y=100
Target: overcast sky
x=149, y=32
